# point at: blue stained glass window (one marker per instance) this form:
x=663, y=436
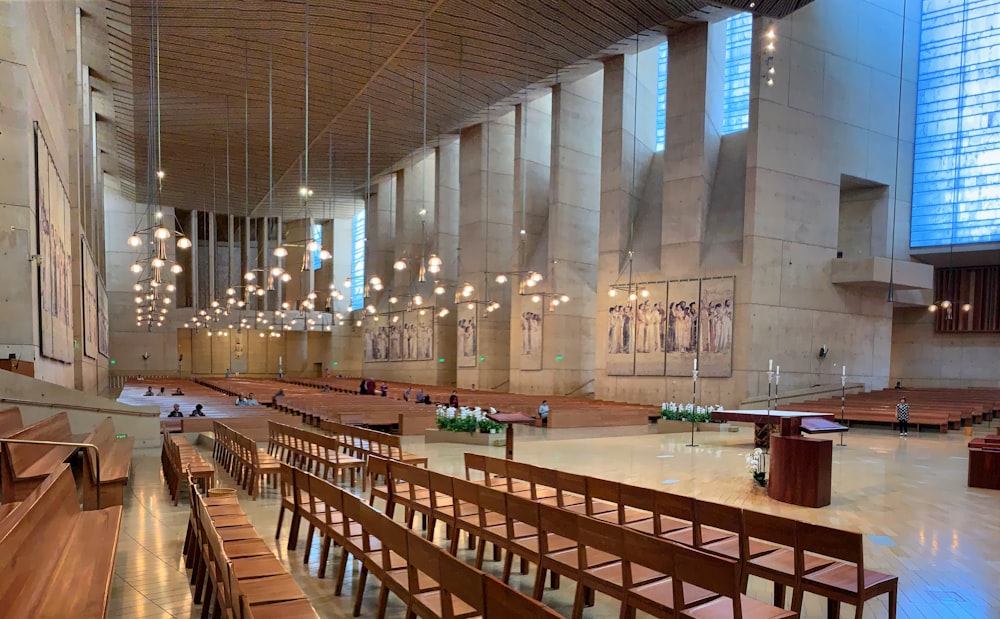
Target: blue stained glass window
x=358, y=261
x=956, y=155
x=736, y=81
x=317, y=235
x=661, y=96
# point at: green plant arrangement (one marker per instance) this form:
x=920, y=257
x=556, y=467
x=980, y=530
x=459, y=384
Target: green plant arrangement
x=466, y=420
x=684, y=412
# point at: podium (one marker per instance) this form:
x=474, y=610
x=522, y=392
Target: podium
x=801, y=470
x=510, y=419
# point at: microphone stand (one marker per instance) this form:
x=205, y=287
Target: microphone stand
x=694, y=407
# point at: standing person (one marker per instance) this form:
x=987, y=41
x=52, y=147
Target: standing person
x=370, y=386
x=903, y=416
x=453, y=399
x=384, y=389
x=364, y=387
x=406, y=394
x=543, y=411
x=227, y=372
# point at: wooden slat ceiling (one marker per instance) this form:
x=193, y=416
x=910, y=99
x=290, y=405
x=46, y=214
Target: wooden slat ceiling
x=362, y=52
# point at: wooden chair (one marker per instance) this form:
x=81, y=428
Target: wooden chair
x=845, y=579
x=721, y=576
x=549, y=479
x=574, y=484
x=525, y=473
x=601, y=545
x=523, y=522
x=116, y=466
x=458, y=589
x=290, y=502
x=643, y=558
x=676, y=517
x=10, y=421
x=778, y=565
x=555, y=523
x=492, y=504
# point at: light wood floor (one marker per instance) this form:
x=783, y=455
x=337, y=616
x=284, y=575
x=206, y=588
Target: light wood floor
x=908, y=496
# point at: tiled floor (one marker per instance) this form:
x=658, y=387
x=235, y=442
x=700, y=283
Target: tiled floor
x=908, y=496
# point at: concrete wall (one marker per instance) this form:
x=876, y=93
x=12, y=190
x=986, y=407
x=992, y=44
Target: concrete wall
x=923, y=358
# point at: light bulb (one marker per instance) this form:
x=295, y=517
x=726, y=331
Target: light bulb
x=555, y=301
x=433, y=261
x=162, y=233
x=215, y=303
x=312, y=245
x=632, y=296
x=399, y=265
x=134, y=241
x=136, y=268
x=536, y=276
x=395, y=318
x=276, y=271
x=443, y=312
x=158, y=263
x=393, y=300
x=439, y=290
x=311, y=296
x=530, y=283
x=375, y=280
x=167, y=300
x=564, y=298
x=176, y=268
x=184, y=243
x=160, y=174
x=249, y=276
x=966, y=307
x=171, y=288
x=137, y=287
x=230, y=291
x=946, y=304
x=536, y=298
x=644, y=293
x=501, y=279
x=285, y=277
x=138, y=300
x=280, y=252
x=325, y=254
x=371, y=309
x=417, y=300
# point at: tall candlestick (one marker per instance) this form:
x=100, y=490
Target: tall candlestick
x=696, y=363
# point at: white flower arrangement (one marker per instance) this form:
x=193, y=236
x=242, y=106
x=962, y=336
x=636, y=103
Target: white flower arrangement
x=755, y=466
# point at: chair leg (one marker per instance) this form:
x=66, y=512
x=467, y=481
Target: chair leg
x=779, y=594
x=892, y=603
x=578, y=601
x=309, y=542
x=539, y=584
x=383, y=601
x=832, y=609
x=341, y=573
x=859, y=609
x=359, y=594
x=797, y=594
x=281, y=518
x=627, y=612
x=508, y=562
x=480, y=552
x=324, y=556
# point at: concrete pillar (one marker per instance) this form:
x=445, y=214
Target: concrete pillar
x=573, y=230
x=629, y=167
x=694, y=125
x=485, y=225
x=414, y=221
x=532, y=156
x=380, y=234
x=445, y=245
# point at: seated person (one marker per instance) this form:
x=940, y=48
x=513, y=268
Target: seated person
x=149, y=391
x=420, y=396
x=177, y=391
x=274, y=398
x=241, y=400
x=384, y=389
x=325, y=389
x=427, y=399
x=364, y=387
x=406, y=394
x=176, y=411
x=163, y=390
x=453, y=399
x=197, y=412
x=543, y=411
x=252, y=401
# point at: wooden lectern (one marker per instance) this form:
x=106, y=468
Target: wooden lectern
x=510, y=419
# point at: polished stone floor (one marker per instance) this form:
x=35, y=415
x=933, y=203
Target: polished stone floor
x=908, y=496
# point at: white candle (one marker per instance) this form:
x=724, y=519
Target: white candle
x=778, y=370
x=696, y=364
x=844, y=373
x=770, y=364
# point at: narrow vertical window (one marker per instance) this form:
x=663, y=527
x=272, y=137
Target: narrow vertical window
x=736, y=81
x=358, y=262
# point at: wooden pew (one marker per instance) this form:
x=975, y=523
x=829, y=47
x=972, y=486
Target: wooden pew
x=56, y=560
x=115, y=467
x=24, y=467
x=10, y=421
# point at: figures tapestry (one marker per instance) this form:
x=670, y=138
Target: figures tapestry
x=531, y=340
x=651, y=331
x=621, y=336
x=89, y=299
x=716, y=337
x=418, y=335
x=467, y=341
x=682, y=326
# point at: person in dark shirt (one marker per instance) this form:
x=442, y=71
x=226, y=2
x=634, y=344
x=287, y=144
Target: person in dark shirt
x=384, y=389
x=903, y=416
x=370, y=386
x=364, y=387
x=176, y=412
x=197, y=412
x=453, y=400
x=149, y=391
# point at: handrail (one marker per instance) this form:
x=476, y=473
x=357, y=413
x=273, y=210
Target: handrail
x=580, y=387
x=97, y=454
x=77, y=407
x=506, y=382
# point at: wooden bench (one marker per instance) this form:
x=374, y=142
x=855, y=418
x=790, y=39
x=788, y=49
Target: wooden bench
x=115, y=467
x=56, y=560
x=24, y=467
x=179, y=459
x=10, y=421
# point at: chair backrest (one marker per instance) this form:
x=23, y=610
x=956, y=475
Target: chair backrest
x=655, y=553
x=491, y=500
x=10, y=421
x=675, y=506
x=496, y=473
x=474, y=462
x=521, y=509
x=519, y=471
x=460, y=579
x=829, y=542
x=637, y=497
x=769, y=528
x=599, y=535
x=720, y=575
x=440, y=484
x=719, y=516
x=571, y=482
x=604, y=490
x=555, y=520
x=54, y=428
